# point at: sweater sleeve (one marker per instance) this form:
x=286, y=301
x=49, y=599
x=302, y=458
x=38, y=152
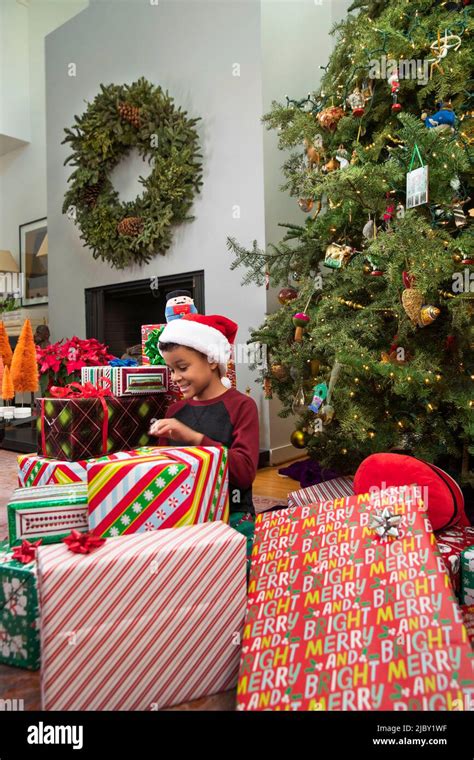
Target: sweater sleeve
x=244, y=450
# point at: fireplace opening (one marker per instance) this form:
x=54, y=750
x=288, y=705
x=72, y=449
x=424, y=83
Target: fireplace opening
x=115, y=313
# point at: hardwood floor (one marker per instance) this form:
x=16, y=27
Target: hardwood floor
x=16, y=683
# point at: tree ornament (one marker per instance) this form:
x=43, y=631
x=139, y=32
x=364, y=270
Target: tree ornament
x=394, y=83
x=357, y=102
x=314, y=151
x=326, y=414
x=400, y=211
x=299, y=439
x=427, y=316
x=330, y=117
x=267, y=388
x=279, y=372
x=337, y=256
x=286, y=295
x=299, y=406
x=320, y=392
x=120, y=118
x=370, y=230
x=300, y=320
x=331, y=166
x=444, y=118
x=389, y=210
x=419, y=314
x=305, y=204
x=342, y=156
x=314, y=365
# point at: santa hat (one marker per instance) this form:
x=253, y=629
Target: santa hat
x=212, y=335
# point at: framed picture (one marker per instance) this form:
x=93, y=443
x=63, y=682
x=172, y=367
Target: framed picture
x=34, y=262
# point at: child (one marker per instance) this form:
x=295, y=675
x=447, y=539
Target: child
x=196, y=348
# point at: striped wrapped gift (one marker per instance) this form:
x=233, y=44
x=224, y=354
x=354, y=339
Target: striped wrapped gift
x=167, y=488
x=48, y=513
x=35, y=470
x=129, y=381
x=143, y=622
x=326, y=491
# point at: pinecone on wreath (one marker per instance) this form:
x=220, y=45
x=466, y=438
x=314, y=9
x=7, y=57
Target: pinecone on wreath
x=131, y=225
x=130, y=113
x=91, y=193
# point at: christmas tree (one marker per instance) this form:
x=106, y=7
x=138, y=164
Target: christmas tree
x=5, y=348
x=24, y=366
x=372, y=348
x=8, y=390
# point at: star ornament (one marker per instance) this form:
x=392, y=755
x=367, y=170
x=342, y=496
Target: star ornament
x=385, y=523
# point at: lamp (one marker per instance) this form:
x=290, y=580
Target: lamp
x=7, y=262
x=43, y=251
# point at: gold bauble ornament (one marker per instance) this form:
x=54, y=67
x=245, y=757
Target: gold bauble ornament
x=279, y=371
x=299, y=439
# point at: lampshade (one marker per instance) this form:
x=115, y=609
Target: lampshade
x=7, y=262
x=43, y=251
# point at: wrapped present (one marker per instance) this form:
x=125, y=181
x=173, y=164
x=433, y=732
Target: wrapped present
x=451, y=542
x=129, y=380
x=350, y=608
x=35, y=470
x=467, y=576
x=167, y=488
x=74, y=429
x=144, y=621
x=325, y=491
x=468, y=619
x=19, y=616
x=48, y=513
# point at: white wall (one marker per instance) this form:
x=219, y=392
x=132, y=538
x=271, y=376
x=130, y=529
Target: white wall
x=23, y=171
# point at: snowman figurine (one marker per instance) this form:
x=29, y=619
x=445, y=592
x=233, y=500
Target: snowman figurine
x=179, y=303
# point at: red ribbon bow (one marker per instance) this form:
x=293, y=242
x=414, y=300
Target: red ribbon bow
x=82, y=543
x=88, y=390
x=26, y=552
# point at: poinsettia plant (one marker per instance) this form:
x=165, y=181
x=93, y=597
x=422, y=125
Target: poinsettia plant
x=61, y=362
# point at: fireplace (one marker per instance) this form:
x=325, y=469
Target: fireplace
x=115, y=313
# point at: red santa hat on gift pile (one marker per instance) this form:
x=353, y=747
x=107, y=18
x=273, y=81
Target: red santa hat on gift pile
x=212, y=335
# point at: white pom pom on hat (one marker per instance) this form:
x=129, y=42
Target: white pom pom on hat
x=211, y=335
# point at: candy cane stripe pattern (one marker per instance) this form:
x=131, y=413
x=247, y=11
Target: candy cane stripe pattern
x=144, y=622
x=166, y=488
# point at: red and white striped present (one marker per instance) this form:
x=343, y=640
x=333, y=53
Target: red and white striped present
x=143, y=622
x=329, y=490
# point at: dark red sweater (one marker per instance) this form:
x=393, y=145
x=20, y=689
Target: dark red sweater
x=230, y=420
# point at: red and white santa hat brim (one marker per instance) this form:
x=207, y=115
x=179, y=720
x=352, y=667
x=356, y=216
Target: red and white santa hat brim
x=211, y=335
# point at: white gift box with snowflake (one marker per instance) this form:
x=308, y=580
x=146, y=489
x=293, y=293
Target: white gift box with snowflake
x=165, y=489
x=19, y=616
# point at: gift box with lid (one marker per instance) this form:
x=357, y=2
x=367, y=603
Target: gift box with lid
x=144, y=621
x=350, y=608
x=77, y=427
x=129, y=381
x=19, y=615
x=48, y=513
x=169, y=487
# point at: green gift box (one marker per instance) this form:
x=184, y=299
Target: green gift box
x=19, y=613
x=48, y=513
x=467, y=576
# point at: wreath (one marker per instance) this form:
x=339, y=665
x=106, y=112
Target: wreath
x=120, y=118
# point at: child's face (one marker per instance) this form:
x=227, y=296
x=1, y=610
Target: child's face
x=190, y=370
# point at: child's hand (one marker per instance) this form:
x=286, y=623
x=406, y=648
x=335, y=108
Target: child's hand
x=173, y=428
